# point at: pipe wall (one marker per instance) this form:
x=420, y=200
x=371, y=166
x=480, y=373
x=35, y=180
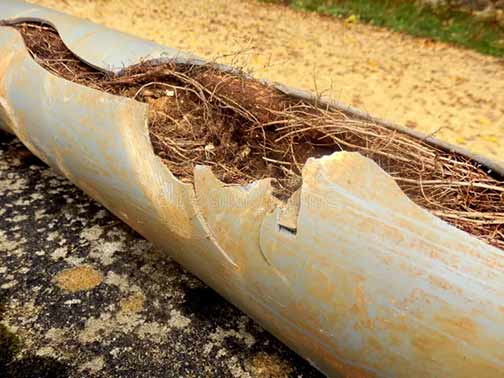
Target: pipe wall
x=349, y=273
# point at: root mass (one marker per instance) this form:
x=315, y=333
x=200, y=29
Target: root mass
x=247, y=130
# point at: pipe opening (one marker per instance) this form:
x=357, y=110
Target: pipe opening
x=247, y=130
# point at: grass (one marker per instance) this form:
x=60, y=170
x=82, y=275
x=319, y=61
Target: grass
x=444, y=25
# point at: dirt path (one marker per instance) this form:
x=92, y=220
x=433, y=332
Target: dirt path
x=436, y=88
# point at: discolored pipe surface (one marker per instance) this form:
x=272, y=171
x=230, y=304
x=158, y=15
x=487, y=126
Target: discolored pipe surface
x=350, y=274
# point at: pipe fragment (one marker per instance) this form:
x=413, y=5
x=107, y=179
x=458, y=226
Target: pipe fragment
x=350, y=273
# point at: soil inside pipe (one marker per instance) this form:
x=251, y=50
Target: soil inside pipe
x=247, y=130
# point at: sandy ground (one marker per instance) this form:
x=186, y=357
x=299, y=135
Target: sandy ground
x=456, y=94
